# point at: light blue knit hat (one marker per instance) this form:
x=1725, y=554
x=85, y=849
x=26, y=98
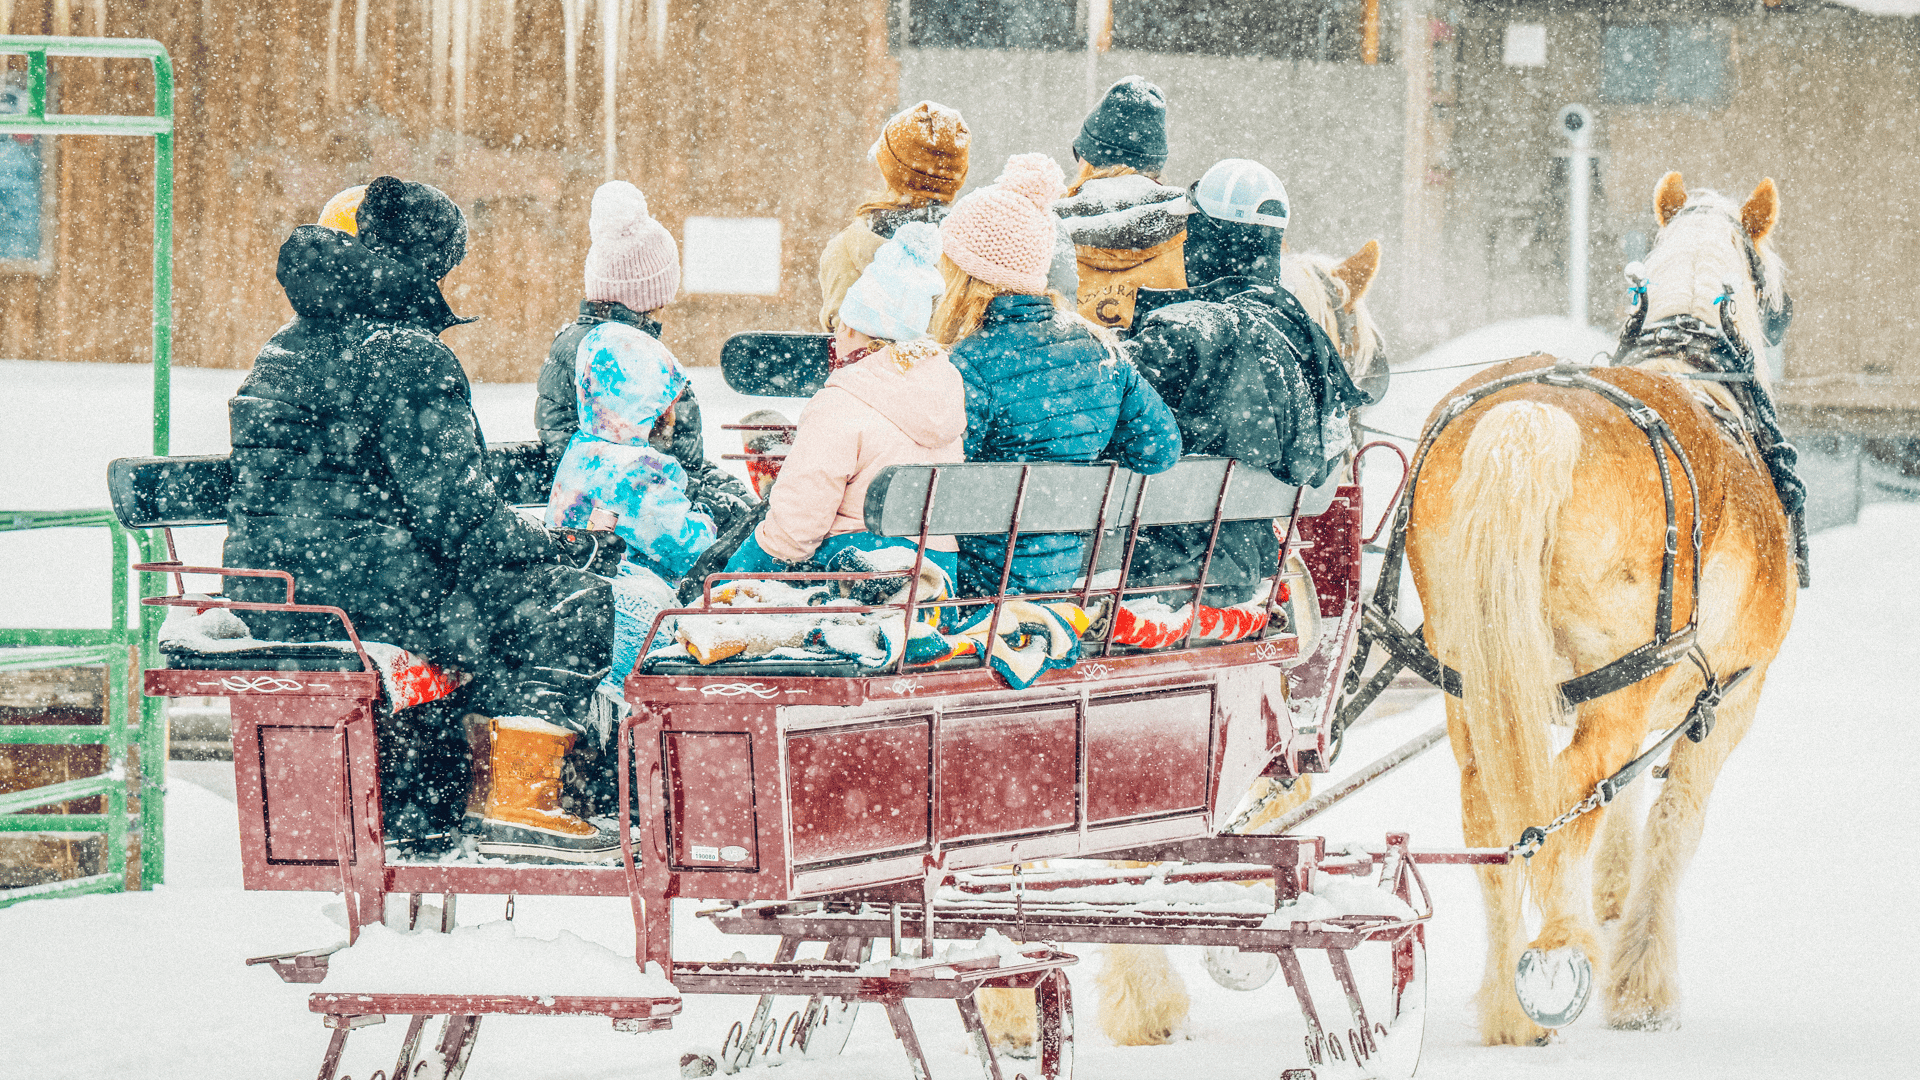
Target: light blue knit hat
x=894, y=298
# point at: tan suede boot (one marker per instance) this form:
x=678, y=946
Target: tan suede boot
x=523, y=814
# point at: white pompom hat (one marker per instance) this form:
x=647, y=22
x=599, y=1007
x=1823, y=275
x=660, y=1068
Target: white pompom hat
x=633, y=259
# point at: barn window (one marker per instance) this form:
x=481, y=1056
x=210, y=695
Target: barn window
x=993, y=24
x=25, y=208
x=1670, y=64
x=1325, y=30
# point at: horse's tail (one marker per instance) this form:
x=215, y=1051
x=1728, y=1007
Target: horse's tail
x=1489, y=608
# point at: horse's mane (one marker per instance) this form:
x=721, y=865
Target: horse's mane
x=1699, y=252
x=1309, y=277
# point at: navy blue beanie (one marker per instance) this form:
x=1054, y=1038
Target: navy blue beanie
x=414, y=223
x=1128, y=127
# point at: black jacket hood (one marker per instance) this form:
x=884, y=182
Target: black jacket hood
x=330, y=275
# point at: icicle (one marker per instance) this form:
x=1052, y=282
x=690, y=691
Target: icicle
x=333, y=53
x=359, y=36
x=508, y=18
x=6, y=16
x=610, y=83
x=457, y=64
x=626, y=30
x=62, y=18
x=571, y=11
x=437, y=48
x=99, y=17
x=657, y=22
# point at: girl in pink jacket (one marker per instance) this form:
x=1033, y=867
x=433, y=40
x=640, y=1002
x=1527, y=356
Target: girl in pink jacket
x=893, y=400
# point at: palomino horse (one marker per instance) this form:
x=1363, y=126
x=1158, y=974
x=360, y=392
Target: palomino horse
x=1142, y=999
x=1536, y=541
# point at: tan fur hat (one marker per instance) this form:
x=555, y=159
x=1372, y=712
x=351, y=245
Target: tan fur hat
x=923, y=151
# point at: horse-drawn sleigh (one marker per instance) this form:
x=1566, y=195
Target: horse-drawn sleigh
x=846, y=803
x=818, y=801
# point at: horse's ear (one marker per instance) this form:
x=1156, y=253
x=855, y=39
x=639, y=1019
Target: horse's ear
x=1669, y=197
x=1761, y=211
x=1357, y=272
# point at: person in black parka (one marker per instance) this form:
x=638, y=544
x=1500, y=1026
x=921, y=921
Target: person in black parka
x=359, y=467
x=1247, y=373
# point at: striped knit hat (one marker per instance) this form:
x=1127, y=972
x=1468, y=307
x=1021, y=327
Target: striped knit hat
x=1004, y=234
x=633, y=260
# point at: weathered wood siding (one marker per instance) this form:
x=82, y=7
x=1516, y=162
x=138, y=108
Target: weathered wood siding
x=760, y=108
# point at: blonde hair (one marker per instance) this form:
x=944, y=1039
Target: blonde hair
x=1101, y=172
x=964, y=307
x=897, y=200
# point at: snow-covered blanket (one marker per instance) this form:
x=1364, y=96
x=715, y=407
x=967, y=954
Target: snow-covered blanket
x=408, y=680
x=738, y=631
x=1029, y=638
x=1148, y=623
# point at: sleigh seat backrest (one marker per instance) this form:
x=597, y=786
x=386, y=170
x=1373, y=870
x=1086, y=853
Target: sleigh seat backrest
x=184, y=490
x=978, y=498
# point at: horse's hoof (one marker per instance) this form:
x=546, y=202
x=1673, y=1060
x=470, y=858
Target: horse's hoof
x=1236, y=969
x=1553, y=987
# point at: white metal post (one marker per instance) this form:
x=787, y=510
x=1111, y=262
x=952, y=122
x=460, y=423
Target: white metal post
x=1576, y=123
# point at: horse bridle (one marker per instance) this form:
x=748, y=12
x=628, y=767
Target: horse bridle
x=1718, y=354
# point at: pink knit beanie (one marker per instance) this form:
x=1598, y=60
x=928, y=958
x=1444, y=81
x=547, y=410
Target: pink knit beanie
x=1004, y=234
x=633, y=259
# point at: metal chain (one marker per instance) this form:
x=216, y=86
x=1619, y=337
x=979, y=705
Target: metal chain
x=1533, y=837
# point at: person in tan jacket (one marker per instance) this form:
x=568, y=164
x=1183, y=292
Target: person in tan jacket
x=922, y=153
x=1127, y=227
x=895, y=399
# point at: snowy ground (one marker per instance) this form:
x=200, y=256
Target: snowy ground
x=1796, y=948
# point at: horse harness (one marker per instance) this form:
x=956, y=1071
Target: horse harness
x=1669, y=646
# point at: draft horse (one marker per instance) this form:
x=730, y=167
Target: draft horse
x=1538, y=530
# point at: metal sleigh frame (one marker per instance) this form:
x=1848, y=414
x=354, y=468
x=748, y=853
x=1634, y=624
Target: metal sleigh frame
x=713, y=804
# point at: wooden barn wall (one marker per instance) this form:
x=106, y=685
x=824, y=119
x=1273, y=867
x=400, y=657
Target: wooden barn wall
x=1822, y=99
x=761, y=108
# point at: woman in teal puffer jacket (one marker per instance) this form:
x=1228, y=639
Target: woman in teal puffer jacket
x=1041, y=384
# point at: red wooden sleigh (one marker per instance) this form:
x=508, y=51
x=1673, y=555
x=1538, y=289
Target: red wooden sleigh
x=846, y=806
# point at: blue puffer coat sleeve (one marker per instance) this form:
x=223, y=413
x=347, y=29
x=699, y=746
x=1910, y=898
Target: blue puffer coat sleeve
x=1146, y=437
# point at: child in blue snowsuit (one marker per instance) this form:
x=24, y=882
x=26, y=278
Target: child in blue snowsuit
x=611, y=479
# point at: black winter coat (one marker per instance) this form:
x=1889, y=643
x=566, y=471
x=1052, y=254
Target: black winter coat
x=1249, y=375
x=359, y=465
x=556, y=414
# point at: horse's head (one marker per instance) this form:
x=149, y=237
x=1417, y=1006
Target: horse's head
x=1708, y=246
x=1333, y=292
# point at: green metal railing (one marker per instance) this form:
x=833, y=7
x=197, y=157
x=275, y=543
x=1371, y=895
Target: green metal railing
x=31, y=649
x=114, y=649
x=158, y=127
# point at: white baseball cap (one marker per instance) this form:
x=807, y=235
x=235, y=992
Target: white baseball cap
x=1240, y=190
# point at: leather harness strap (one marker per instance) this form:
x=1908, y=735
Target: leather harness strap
x=1407, y=649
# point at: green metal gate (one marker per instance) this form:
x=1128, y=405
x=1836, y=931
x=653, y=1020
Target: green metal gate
x=114, y=647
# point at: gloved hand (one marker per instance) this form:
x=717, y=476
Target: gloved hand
x=594, y=552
